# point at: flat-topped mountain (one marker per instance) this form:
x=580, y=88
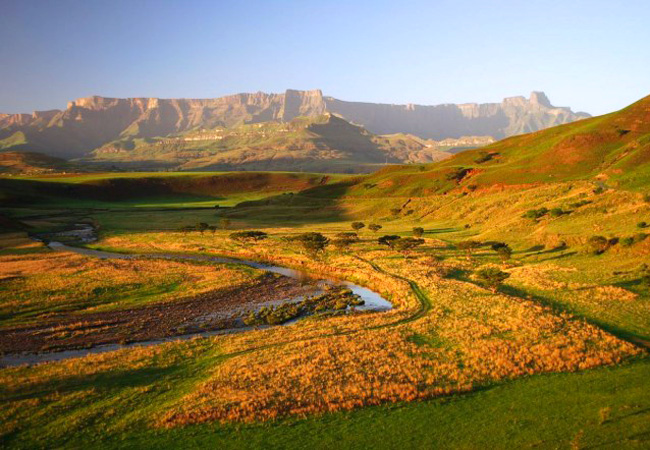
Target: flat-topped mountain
x=92, y=123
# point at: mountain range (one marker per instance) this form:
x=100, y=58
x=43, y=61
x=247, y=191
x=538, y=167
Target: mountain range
x=131, y=130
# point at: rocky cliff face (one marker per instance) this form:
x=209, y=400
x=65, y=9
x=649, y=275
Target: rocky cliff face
x=91, y=122
x=514, y=115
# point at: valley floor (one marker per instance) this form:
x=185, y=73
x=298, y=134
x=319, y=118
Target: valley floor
x=554, y=358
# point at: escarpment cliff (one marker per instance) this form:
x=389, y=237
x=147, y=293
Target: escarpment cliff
x=92, y=122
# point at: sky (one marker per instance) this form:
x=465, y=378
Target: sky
x=592, y=55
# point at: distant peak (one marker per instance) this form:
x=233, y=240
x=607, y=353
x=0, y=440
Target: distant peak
x=540, y=98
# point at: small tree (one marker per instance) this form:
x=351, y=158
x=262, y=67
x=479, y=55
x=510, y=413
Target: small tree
x=388, y=240
x=312, y=243
x=598, y=244
x=535, y=214
x=356, y=226
x=503, y=250
x=374, y=227
x=468, y=246
x=418, y=232
x=224, y=223
x=405, y=245
x=491, y=277
x=212, y=228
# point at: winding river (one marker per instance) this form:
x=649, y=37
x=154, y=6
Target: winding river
x=372, y=302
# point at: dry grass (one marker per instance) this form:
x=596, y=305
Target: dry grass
x=37, y=284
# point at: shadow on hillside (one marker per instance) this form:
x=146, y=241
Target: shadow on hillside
x=315, y=205
x=315, y=201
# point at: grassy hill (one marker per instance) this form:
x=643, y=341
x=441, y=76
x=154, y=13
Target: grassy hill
x=31, y=163
x=324, y=143
x=611, y=150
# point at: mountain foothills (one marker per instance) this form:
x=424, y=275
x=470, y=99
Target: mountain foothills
x=297, y=130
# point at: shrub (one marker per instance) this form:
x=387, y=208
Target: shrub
x=244, y=236
x=579, y=204
x=599, y=190
x=485, y=157
x=406, y=244
x=640, y=237
x=556, y=212
x=224, y=223
x=598, y=244
x=503, y=250
x=491, y=277
x=535, y=213
x=374, y=227
x=418, y=232
x=312, y=243
x=357, y=225
x=458, y=174
x=627, y=241
x=641, y=225
x=388, y=240
x=395, y=211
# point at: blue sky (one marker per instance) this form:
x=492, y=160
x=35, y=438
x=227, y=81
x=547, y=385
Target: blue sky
x=590, y=55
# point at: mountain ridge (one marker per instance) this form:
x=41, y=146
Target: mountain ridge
x=90, y=122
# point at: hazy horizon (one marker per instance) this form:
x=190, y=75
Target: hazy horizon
x=587, y=55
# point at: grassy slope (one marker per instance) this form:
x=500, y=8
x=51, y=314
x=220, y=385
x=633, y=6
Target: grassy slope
x=614, y=149
x=324, y=143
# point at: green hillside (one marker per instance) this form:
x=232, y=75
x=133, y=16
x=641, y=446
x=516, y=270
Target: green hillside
x=612, y=150
x=324, y=143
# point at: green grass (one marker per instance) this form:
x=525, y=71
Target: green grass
x=607, y=407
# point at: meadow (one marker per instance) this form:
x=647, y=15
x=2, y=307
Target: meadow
x=455, y=362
